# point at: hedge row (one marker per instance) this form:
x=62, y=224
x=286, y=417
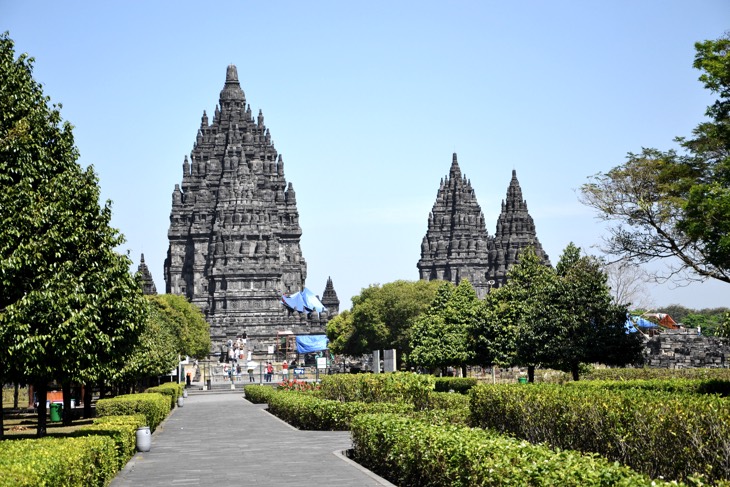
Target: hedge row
x=655, y=373
x=307, y=412
x=171, y=389
x=121, y=429
x=404, y=387
x=258, y=394
x=456, y=384
x=72, y=462
x=677, y=386
x=154, y=406
x=407, y=451
x=674, y=436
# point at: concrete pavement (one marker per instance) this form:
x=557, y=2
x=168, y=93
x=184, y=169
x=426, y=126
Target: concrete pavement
x=221, y=439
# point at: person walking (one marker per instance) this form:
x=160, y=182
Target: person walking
x=285, y=371
x=269, y=371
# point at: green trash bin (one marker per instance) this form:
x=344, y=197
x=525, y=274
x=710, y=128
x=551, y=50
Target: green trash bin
x=56, y=409
x=522, y=380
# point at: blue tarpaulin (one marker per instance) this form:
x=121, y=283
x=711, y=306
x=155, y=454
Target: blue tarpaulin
x=642, y=323
x=311, y=343
x=302, y=301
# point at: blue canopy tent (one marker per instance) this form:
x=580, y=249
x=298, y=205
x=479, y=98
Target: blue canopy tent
x=303, y=301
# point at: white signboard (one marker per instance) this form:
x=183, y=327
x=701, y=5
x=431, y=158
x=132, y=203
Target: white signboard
x=322, y=362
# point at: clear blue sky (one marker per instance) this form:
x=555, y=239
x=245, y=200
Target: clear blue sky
x=367, y=101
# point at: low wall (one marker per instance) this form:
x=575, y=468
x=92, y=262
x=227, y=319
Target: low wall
x=676, y=349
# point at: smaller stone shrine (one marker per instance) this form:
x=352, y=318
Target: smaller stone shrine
x=685, y=348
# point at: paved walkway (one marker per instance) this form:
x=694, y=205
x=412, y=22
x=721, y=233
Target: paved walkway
x=222, y=439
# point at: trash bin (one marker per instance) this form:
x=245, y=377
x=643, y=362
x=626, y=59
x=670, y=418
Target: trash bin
x=56, y=409
x=522, y=380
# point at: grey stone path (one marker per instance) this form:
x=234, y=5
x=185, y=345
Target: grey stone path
x=223, y=440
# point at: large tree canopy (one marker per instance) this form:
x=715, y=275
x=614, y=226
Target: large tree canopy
x=676, y=203
x=381, y=317
x=68, y=303
x=557, y=318
x=441, y=336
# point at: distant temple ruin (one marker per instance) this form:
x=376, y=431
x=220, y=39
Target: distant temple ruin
x=234, y=229
x=457, y=246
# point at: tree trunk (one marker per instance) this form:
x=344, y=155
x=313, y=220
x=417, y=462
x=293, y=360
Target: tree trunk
x=67, y=413
x=574, y=371
x=2, y=413
x=16, y=390
x=41, y=396
x=463, y=370
x=531, y=374
x=88, y=391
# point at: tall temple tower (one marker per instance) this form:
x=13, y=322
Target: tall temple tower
x=515, y=232
x=457, y=246
x=234, y=227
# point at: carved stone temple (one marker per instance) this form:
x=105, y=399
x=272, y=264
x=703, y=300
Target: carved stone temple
x=234, y=229
x=144, y=277
x=457, y=246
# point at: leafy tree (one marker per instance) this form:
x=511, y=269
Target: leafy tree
x=381, y=318
x=676, y=205
x=441, y=336
x=186, y=323
x=558, y=318
x=68, y=304
x=580, y=322
x=156, y=352
x=502, y=333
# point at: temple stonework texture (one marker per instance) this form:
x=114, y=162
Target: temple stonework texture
x=234, y=228
x=457, y=246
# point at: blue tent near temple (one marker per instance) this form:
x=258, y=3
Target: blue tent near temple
x=311, y=343
x=303, y=301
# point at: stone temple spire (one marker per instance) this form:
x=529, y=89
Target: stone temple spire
x=234, y=228
x=455, y=246
x=515, y=231
x=145, y=278
x=329, y=298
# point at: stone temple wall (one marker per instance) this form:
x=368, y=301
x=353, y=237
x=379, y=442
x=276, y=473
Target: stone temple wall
x=677, y=349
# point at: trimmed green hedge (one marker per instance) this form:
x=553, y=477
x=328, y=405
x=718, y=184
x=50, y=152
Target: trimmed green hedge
x=307, y=412
x=657, y=433
x=72, y=462
x=681, y=386
x=154, y=406
x=258, y=394
x=171, y=389
x=655, y=373
x=456, y=384
x=410, y=452
x=392, y=387
x=122, y=429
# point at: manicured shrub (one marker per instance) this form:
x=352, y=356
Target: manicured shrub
x=72, y=462
x=655, y=373
x=155, y=407
x=657, y=433
x=258, y=394
x=307, y=412
x=392, y=387
x=121, y=429
x=171, y=389
x=681, y=386
x=407, y=451
x=456, y=384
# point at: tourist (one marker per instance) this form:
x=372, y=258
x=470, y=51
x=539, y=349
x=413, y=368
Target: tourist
x=250, y=373
x=285, y=371
x=269, y=371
